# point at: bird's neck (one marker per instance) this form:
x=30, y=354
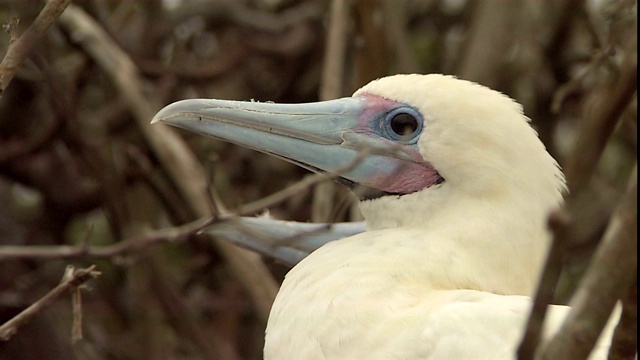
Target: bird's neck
x=492, y=244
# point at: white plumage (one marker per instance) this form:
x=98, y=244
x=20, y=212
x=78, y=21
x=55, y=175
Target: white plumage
x=455, y=242
x=441, y=273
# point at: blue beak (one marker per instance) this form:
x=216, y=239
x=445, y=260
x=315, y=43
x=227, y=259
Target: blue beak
x=350, y=138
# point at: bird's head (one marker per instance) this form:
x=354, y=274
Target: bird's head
x=419, y=139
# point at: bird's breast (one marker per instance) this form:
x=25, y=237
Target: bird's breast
x=332, y=304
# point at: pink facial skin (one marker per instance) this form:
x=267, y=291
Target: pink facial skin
x=402, y=170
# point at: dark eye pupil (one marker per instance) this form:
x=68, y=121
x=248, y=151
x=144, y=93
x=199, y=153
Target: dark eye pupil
x=404, y=124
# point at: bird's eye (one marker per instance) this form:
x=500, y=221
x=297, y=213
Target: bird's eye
x=403, y=124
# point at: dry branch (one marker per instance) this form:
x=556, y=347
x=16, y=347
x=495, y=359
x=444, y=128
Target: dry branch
x=68, y=284
x=20, y=48
x=310, y=180
x=132, y=245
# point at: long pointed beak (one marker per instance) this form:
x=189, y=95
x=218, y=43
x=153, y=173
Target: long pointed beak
x=333, y=136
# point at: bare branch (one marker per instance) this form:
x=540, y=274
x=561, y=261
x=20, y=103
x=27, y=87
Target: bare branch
x=305, y=183
x=125, y=247
x=76, y=327
x=68, y=284
x=20, y=48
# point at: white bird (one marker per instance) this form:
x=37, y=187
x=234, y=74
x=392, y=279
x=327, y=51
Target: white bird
x=457, y=190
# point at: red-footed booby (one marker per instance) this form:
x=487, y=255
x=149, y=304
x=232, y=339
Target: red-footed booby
x=457, y=189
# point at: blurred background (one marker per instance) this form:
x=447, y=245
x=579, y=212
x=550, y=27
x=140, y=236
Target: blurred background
x=80, y=165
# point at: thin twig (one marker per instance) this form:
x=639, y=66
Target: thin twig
x=20, y=48
x=77, y=278
x=308, y=181
x=128, y=246
x=76, y=327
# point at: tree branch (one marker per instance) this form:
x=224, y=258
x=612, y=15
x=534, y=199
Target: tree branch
x=68, y=284
x=20, y=48
x=128, y=246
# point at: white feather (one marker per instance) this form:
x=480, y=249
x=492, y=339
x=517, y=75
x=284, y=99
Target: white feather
x=444, y=273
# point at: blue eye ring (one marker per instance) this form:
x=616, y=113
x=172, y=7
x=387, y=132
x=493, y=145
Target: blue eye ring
x=403, y=125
